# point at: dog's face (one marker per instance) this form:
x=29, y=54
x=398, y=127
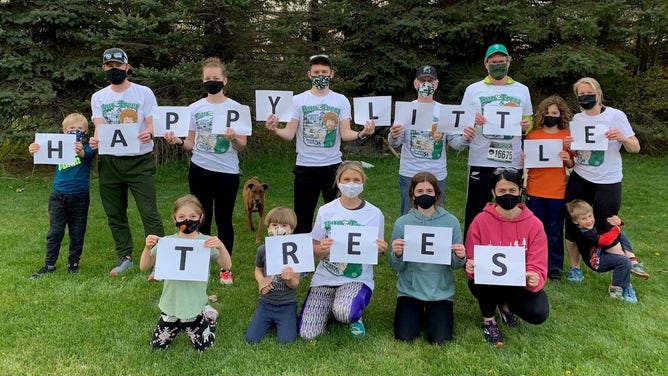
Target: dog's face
x=257, y=192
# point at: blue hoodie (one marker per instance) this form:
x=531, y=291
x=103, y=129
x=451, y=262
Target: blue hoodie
x=426, y=282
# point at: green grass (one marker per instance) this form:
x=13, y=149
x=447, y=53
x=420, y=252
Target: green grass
x=91, y=324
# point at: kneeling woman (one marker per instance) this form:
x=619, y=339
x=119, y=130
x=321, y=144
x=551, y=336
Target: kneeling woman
x=425, y=291
x=509, y=223
x=343, y=290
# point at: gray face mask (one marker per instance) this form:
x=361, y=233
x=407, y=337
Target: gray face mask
x=351, y=190
x=320, y=82
x=498, y=71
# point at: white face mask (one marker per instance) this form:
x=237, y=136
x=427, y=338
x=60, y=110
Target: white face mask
x=278, y=230
x=351, y=190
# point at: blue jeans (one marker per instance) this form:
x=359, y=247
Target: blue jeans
x=404, y=184
x=71, y=211
x=620, y=266
x=550, y=212
x=284, y=316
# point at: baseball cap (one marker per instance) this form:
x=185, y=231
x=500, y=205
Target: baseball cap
x=496, y=48
x=114, y=54
x=426, y=71
x=320, y=59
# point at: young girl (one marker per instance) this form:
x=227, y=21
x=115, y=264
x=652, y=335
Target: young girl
x=183, y=303
x=343, y=290
x=546, y=187
x=509, y=223
x=278, y=294
x=425, y=291
x=213, y=175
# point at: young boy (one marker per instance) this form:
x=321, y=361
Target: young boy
x=69, y=200
x=278, y=294
x=603, y=252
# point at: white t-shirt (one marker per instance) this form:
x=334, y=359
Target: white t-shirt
x=135, y=104
x=318, y=132
x=490, y=150
x=333, y=213
x=603, y=166
x=211, y=151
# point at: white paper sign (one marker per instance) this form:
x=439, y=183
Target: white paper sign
x=171, y=118
x=543, y=153
x=454, y=118
x=414, y=115
x=429, y=245
x=379, y=109
x=588, y=136
x=118, y=139
x=289, y=250
x=182, y=260
x=354, y=244
x=502, y=120
x=235, y=116
x=499, y=265
x=276, y=102
x=55, y=148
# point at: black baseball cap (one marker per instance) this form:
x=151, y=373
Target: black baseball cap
x=320, y=59
x=114, y=54
x=426, y=71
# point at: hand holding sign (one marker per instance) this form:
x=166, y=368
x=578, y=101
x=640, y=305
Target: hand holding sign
x=182, y=259
x=499, y=265
x=427, y=244
x=503, y=120
x=354, y=244
x=118, y=139
x=275, y=102
x=378, y=109
x=232, y=116
x=289, y=250
x=543, y=153
x=54, y=148
x=171, y=118
x=588, y=136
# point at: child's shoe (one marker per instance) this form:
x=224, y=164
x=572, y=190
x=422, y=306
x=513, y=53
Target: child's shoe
x=508, y=318
x=492, y=334
x=73, y=268
x=210, y=313
x=630, y=295
x=45, y=269
x=575, y=275
x=616, y=292
x=226, y=277
x=357, y=328
x=639, y=270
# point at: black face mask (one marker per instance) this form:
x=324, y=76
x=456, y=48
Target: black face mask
x=213, y=87
x=425, y=201
x=587, y=101
x=116, y=76
x=188, y=226
x=508, y=201
x=551, y=121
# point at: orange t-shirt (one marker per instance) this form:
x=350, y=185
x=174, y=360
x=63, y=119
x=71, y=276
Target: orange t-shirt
x=547, y=182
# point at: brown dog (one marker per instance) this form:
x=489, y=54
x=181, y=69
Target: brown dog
x=253, y=195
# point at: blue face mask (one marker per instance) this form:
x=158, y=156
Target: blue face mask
x=79, y=134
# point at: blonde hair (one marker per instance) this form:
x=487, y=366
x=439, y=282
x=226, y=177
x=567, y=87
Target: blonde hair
x=281, y=215
x=577, y=208
x=214, y=62
x=594, y=84
x=75, y=118
x=564, y=111
x=190, y=201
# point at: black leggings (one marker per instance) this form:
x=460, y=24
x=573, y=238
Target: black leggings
x=531, y=307
x=309, y=183
x=412, y=314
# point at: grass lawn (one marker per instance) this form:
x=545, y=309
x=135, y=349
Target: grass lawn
x=92, y=324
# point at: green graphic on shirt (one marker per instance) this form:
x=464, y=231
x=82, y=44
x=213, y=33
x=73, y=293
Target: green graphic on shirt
x=222, y=145
x=320, y=125
x=341, y=268
x=590, y=157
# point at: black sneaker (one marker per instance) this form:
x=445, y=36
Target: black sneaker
x=508, y=318
x=45, y=269
x=73, y=268
x=554, y=275
x=492, y=334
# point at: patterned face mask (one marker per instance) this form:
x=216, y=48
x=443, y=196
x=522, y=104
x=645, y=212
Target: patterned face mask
x=277, y=231
x=320, y=82
x=426, y=89
x=351, y=190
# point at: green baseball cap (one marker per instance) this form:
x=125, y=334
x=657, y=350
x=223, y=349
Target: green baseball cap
x=496, y=48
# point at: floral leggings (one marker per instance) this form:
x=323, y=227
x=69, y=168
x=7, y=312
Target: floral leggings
x=200, y=330
x=345, y=302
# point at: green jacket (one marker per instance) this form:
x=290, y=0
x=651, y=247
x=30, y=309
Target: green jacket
x=427, y=282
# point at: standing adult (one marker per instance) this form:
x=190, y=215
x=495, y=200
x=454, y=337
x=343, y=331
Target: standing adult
x=509, y=223
x=487, y=152
x=213, y=175
x=120, y=174
x=597, y=174
x=320, y=120
x=424, y=150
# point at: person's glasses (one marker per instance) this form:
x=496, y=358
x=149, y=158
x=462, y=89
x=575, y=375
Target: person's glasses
x=319, y=56
x=497, y=62
x=115, y=55
x=501, y=170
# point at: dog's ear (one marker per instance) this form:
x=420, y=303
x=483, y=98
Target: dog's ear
x=250, y=186
x=265, y=186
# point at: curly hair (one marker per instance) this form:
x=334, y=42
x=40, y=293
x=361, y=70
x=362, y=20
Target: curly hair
x=541, y=112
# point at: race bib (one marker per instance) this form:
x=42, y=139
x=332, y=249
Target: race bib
x=500, y=152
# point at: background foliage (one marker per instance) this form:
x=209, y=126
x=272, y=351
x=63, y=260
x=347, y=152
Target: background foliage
x=50, y=51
